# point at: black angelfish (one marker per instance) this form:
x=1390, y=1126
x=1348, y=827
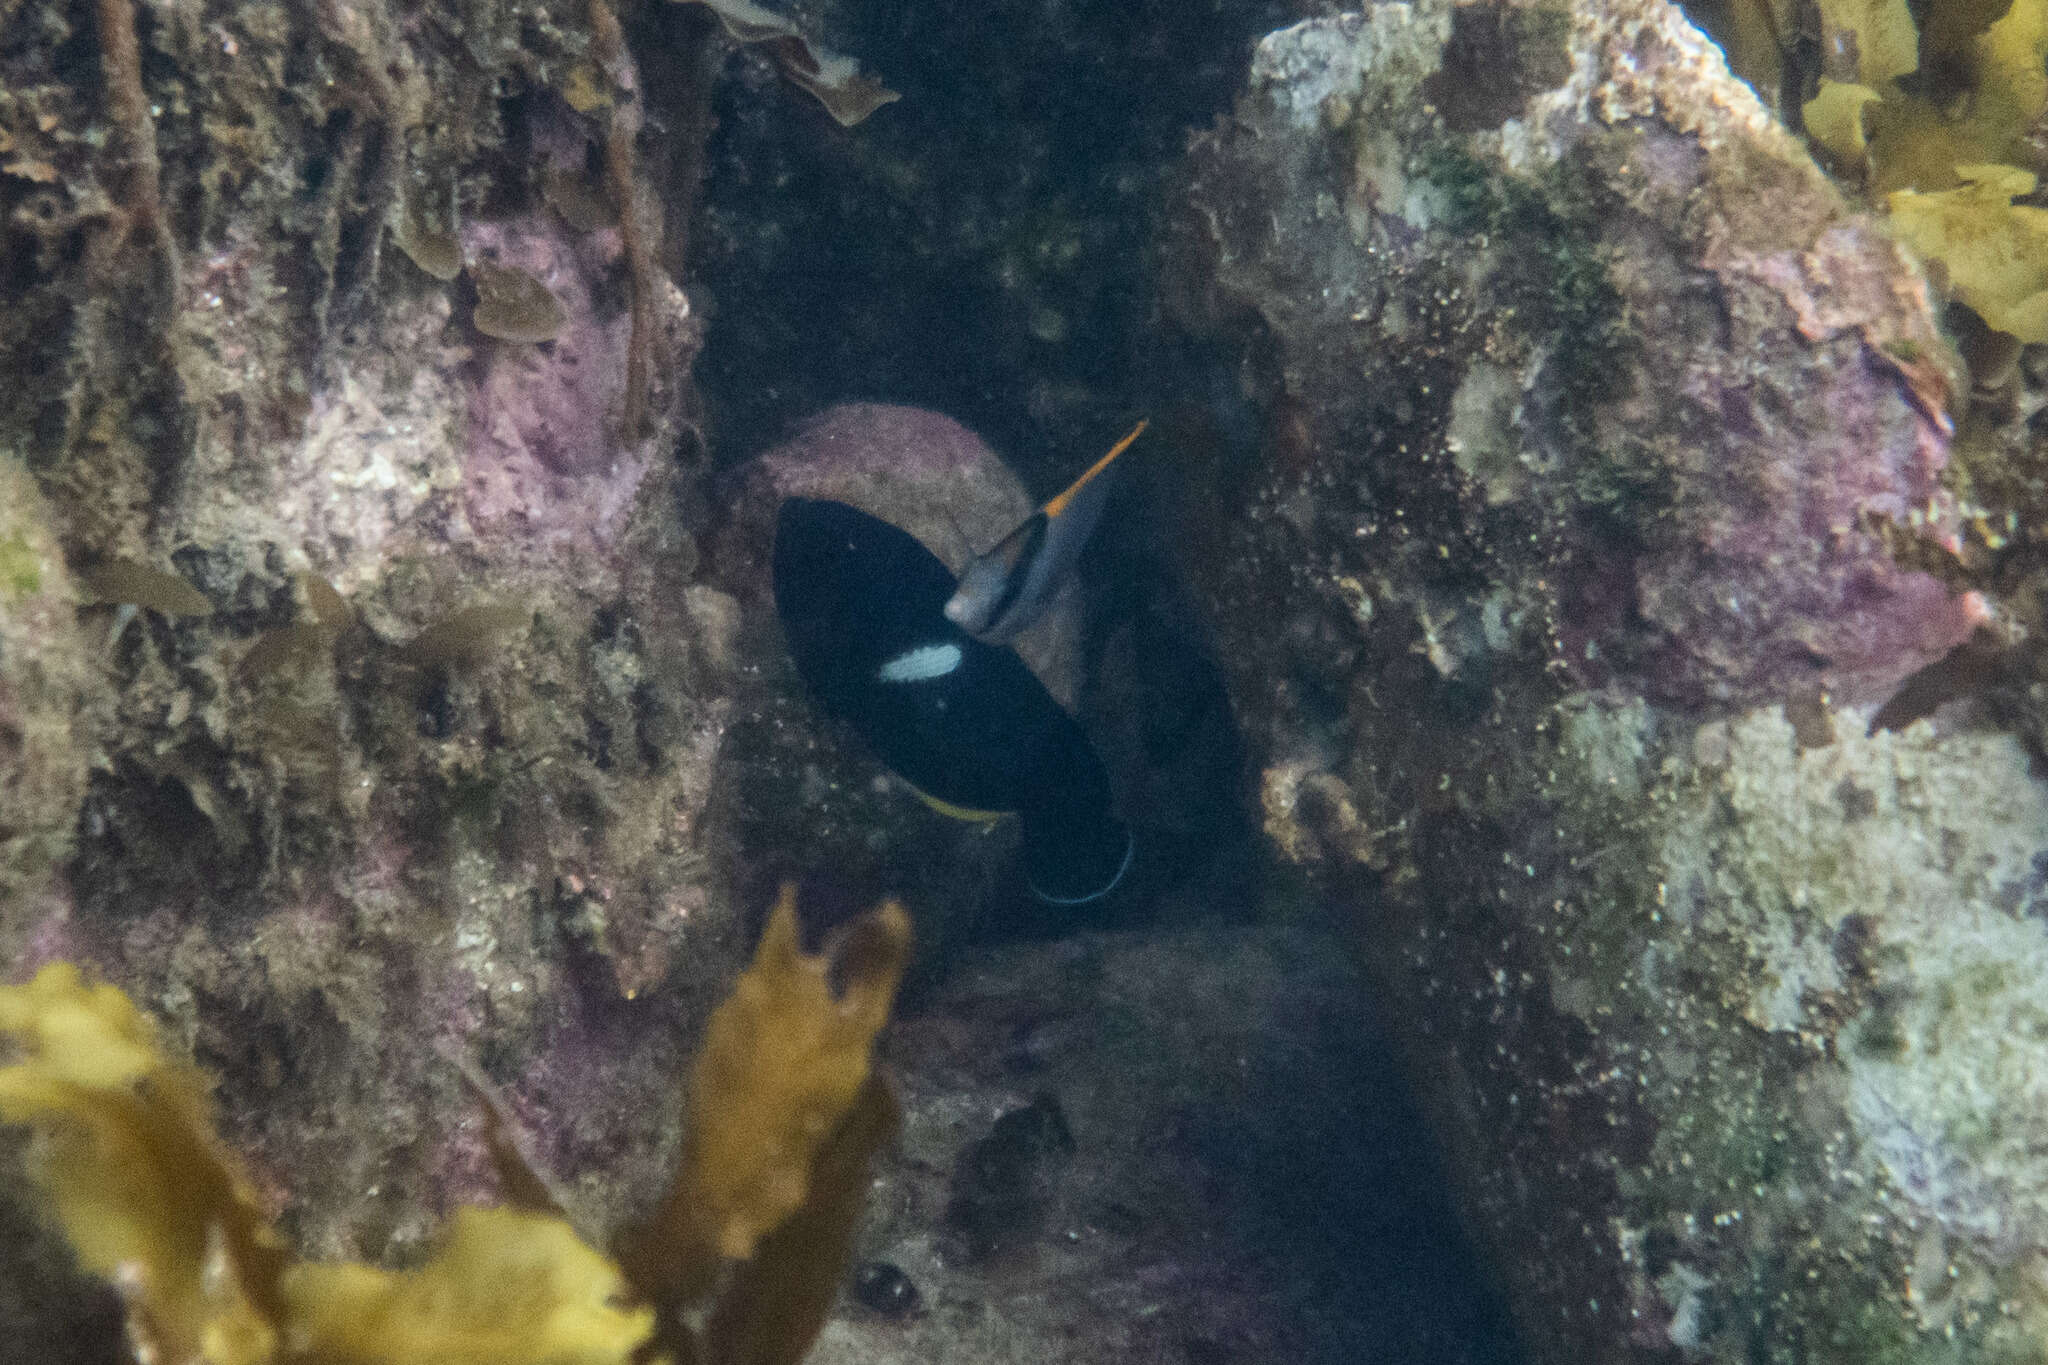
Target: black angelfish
x=965, y=723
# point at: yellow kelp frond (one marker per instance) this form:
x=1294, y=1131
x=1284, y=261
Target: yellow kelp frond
x=505, y=1288
x=129, y=1162
x=1994, y=88
x=1835, y=119
x=1879, y=32
x=783, y=1061
x=781, y=1065
x=1934, y=121
x=785, y=1113
x=2008, y=77
x=777, y=1303
x=1995, y=252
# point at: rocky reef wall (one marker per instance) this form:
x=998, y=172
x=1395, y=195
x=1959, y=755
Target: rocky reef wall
x=1603, y=478
x=359, y=696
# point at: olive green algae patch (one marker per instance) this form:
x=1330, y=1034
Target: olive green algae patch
x=21, y=567
x=50, y=692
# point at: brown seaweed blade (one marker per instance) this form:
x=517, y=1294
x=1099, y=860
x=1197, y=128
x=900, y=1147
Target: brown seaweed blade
x=776, y=1304
x=525, y=1185
x=126, y=582
x=1972, y=667
x=512, y=305
x=784, y=1060
x=831, y=78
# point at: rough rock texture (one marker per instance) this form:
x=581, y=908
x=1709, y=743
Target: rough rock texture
x=1185, y=1147
x=441, y=766
x=1601, y=475
x=49, y=694
x=1665, y=354
x=427, y=770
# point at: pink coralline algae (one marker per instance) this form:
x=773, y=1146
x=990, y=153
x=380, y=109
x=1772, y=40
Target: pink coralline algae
x=1779, y=575
x=1686, y=434
x=915, y=468
x=543, y=458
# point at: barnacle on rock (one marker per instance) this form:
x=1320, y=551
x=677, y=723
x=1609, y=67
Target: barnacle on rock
x=786, y=1113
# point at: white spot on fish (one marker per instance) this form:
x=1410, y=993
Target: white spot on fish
x=921, y=664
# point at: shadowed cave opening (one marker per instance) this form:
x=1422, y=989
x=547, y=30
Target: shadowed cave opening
x=984, y=247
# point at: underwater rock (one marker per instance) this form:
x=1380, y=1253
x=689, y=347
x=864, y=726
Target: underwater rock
x=50, y=692
x=1602, y=468
x=1232, y=1158
x=1002, y=1185
x=543, y=459
x=1667, y=375
x=328, y=860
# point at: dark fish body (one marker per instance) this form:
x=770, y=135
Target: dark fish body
x=1007, y=589
x=862, y=605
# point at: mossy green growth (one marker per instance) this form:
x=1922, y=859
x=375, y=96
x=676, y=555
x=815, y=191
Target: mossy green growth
x=1547, y=230
x=1553, y=271
x=21, y=568
x=1477, y=197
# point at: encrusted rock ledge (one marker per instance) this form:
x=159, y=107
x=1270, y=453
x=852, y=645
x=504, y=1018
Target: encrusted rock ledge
x=1556, y=617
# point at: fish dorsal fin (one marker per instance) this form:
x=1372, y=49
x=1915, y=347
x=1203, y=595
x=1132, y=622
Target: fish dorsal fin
x=1059, y=504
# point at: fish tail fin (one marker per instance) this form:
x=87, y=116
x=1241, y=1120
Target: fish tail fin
x=1076, y=861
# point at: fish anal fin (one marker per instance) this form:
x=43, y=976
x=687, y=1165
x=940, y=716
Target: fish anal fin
x=953, y=812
